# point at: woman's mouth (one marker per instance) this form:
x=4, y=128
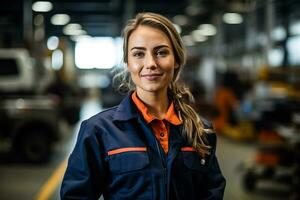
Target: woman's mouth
x=152, y=77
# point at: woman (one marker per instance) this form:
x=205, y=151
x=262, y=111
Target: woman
x=153, y=145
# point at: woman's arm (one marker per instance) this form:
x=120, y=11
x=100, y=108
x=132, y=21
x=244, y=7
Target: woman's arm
x=83, y=178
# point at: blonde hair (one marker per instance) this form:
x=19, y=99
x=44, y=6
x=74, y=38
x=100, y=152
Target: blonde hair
x=193, y=128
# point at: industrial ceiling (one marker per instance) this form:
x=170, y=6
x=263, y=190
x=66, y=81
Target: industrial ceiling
x=107, y=17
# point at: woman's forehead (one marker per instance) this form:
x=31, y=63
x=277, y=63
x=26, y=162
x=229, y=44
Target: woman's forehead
x=148, y=36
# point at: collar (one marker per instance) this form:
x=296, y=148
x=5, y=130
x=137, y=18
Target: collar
x=126, y=110
x=170, y=116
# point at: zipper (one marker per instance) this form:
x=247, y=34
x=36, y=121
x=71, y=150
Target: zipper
x=165, y=174
x=165, y=177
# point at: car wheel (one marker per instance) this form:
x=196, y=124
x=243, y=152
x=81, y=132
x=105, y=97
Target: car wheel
x=36, y=146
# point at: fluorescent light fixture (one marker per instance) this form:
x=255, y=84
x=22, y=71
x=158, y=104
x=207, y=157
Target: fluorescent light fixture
x=60, y=19
x=52, y=42
x=73, y=29
x=207, y=29
x=278, y=33
x=232, y=18
x=293, y=46
x=275, y=57
x=42, y=6
x=188, y=40
x=177, y=27
x=198, y=36
x=57, y=59
x=97, y=52
x=181, y=20
x=295, y=28
x=75, y=32
x=72, y=26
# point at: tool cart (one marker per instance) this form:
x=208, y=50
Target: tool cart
x=277, y=159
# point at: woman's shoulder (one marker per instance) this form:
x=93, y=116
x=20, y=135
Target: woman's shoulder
x=95, y=124
x=104, y=115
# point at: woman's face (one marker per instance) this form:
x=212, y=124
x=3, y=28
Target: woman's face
x=151, y=60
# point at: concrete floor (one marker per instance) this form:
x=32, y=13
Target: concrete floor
x=25, y=181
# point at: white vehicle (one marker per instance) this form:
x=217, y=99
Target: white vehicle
x=16, y=70
x=29, y=122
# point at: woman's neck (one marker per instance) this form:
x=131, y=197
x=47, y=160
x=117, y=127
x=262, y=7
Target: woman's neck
x=157, y=103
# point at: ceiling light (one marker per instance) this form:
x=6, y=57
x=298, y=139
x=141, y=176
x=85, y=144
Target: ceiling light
x=207, y=29
x=278, y=33
x=232, y=18
x=295, y=28
x=73, y=26
x=198, y=36
x=73, y=29
x=188, y=40
x=60, y=19
x=57, y=59
x=75, y=32
x=42, y=6
x=181, y=20
x=52, y=42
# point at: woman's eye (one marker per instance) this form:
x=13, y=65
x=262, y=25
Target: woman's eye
x=138, y=54
x=162, y=53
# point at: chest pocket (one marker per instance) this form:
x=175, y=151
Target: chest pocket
x=192, y=160
x=128, y=159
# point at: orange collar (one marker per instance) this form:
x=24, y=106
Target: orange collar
x=170, y=116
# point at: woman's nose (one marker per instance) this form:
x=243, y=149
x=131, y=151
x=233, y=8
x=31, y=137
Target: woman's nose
x=150, y=62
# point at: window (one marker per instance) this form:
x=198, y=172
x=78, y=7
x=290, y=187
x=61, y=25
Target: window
x=8, y=67
x=98, y=53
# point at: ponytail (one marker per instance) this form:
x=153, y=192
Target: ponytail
x=193, y=128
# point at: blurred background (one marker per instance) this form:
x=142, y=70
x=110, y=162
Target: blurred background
x=56, y=66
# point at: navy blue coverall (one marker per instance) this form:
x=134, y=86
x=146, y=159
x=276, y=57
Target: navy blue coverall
x=138, y=175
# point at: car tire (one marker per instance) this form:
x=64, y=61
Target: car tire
x=36, y=146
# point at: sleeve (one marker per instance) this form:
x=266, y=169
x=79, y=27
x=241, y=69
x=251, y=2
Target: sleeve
x=215, y=180
x=84, y=178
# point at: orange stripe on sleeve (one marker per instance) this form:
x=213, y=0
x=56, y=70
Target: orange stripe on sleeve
x=127, y=149
x=187, y=149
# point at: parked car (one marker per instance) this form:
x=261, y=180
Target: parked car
x=29, y=125
x=29, y=120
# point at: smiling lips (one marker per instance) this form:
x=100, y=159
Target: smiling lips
x=151, y=77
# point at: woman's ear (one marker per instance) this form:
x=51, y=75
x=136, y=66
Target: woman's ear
x=176, y=65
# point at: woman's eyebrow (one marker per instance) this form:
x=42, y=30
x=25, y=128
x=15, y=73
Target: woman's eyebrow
x=161, y=46
x=139, y=48
x=155, y=48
